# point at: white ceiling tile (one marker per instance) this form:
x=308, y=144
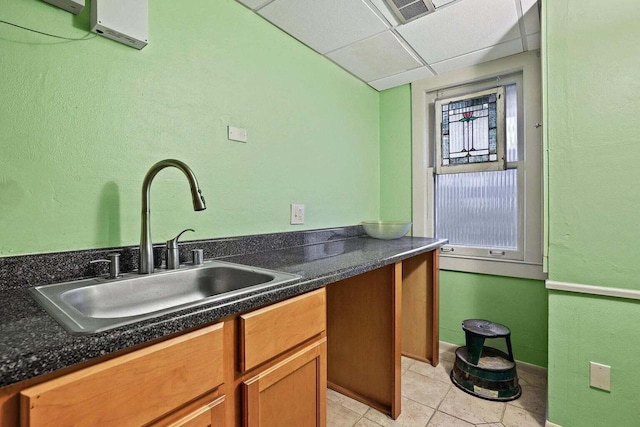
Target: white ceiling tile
x=253, y=4
x=439, y=3
x=376, y=57
x=384, y=9
x=324, y=25
x=401, y=79
x=533, y=41
x=461, y=28
x=531, y=16
x=479, y=56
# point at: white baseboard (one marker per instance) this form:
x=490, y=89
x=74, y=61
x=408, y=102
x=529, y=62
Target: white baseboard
x=548, y=423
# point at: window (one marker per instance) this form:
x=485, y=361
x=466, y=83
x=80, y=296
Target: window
x=492, y=217
x=479, y=212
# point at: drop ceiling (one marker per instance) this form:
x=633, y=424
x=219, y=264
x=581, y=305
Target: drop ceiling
x=366, y=38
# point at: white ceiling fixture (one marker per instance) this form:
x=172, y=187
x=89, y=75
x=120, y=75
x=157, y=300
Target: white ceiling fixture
x=408, y=10
x=388, y=43
x=440, y=3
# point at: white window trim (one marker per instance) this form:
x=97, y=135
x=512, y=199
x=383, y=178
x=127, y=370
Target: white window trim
x=423, y=94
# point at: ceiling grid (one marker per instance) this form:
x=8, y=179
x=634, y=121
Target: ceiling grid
x=368, y=39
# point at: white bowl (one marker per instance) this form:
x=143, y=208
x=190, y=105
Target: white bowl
x=386, y=229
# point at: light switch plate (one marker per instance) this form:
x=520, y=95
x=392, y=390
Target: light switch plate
x=600, y=376
x=237, y=134
x=297, y=214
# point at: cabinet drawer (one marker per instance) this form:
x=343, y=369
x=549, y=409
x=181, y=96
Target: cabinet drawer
x=270, y=331
x=133, y=389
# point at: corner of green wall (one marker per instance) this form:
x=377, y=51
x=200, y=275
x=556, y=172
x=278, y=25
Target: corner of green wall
x=519, y=304
x=395, y=154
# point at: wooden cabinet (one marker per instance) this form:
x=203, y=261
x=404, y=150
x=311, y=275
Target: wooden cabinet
x=291, y=393
x=268, y=367
x=373, y=319
x=133, y=389
x=248, y=369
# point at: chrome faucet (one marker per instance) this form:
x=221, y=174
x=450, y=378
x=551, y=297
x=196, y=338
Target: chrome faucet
x=145, y=265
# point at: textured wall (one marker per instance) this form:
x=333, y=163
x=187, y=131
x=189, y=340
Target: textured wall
x=592, y=94
x=81, y=123
x=585, y=328
x=395, y=154
x=520, y=304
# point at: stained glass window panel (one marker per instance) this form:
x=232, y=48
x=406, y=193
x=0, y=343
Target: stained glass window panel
x=471, y=132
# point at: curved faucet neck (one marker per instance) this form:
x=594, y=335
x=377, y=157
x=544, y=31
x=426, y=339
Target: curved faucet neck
x=146, y=249
x=196, y=194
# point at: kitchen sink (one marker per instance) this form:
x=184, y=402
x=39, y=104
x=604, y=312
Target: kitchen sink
x=94, y=305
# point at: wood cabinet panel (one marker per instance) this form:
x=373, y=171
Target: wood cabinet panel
x=210, y=407
x=268, y=332
x=133, y=389
x=420, y=316
x=211, y=415
x=363, y=331
x=291, y=393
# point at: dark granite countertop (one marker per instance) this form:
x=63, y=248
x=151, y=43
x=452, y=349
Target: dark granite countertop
x=32, y=343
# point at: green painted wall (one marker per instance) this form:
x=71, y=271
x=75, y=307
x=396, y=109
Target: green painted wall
x=81, y=123
x=592, y=93
x=395, y=154
x=521, y=304
x=585, y=328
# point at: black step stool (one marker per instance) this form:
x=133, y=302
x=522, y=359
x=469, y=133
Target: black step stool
x=485, y=371
x=477, y=330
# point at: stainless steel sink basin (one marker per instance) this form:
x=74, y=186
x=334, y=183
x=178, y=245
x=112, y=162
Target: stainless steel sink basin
x=94, y=305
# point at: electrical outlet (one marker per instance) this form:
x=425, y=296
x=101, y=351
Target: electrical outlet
x=600, y=376
x=297, y=213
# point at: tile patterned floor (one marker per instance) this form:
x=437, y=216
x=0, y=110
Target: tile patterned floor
x=429, y=399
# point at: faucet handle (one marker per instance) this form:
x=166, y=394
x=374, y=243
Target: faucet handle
x=114, y=264
x=173, y=255
x=173, y=243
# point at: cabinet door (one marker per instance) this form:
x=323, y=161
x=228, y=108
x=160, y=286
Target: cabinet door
x=133, y=389
x=211, y=415
x=291, y=393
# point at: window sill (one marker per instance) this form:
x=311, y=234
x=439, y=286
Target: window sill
x=494, y=267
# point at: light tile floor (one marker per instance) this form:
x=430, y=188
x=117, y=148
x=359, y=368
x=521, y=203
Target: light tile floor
x=429, y=399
